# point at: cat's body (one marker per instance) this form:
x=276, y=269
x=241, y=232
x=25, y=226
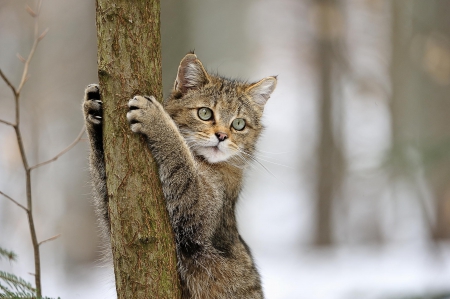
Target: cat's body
x=201, y=139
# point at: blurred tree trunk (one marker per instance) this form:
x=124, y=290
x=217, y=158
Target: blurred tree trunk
x=438, y=69
x=401, y=98
x=329, y=162
x=174, y=39
x=431, y=87
x=420, y=72
x=129, y=63
x=407, y=105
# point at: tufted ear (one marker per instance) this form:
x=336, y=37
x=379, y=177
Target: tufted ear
x=260, y=91
x=191, y=74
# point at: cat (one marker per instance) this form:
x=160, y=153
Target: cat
x=202, y=138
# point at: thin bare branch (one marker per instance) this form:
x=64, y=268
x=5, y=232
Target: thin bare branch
x=43, y=34
x=49, y=239
x=21, y=58
x=37, y=39
x=39, y=7
x=30, y=11
x=29, y=208
x=6, y=122
x=8, y=197
x=8, y=82
x=27, y=64
x=63, y=151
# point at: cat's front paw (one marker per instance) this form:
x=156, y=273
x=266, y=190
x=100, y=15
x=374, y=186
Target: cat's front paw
x=143, y=110
x=92, y=105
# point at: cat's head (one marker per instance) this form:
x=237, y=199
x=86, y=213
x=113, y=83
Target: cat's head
x=219, y=118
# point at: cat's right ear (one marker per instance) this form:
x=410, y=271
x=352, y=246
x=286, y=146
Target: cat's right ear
x=191, y=74
x=261, y=90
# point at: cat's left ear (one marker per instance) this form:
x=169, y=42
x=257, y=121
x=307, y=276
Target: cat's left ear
x=191, y=74
x=260, y=91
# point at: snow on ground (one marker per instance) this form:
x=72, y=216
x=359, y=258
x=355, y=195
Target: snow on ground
x=357, y=273
x=342, y=273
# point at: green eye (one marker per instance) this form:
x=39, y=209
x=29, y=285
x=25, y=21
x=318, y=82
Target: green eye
x=205, y=113
x=238, y=124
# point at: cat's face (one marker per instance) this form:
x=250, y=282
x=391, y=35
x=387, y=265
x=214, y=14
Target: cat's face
x=217, y=124
x=219, y=118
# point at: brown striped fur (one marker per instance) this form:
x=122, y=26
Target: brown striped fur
x=201, y=164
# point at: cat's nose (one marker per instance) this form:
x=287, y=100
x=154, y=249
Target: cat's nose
x=221, y=136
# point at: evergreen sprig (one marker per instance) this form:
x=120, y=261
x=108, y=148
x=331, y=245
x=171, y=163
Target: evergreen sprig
x=7, y=254
x=13, y=287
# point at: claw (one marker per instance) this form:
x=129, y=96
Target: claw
x=131, y=104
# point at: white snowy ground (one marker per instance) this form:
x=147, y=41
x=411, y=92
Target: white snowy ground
x=346, y=273
x=357, y=273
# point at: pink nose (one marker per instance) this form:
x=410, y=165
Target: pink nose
x=221, y=136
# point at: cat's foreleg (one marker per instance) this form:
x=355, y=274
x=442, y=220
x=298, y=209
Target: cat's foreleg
x=93, y=114
x=183, y=188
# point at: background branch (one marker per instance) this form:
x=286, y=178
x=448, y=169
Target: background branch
x=68, y=148
x=8, y=82
x=8, y=197
x=6, y=123
x=50, y=239
x=37, y=38
x=29, y=209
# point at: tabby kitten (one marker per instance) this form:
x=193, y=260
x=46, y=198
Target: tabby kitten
x=202, y=138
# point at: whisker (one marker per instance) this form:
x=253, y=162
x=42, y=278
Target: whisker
x=256, y=160
x=274, y=163
x=271, y=153
x=265, y=160
x=239, y=158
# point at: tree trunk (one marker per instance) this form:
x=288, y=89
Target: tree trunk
x=129, y=63
x=328, y=28
x=419, y=108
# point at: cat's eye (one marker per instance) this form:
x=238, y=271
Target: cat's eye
x=205, y=113
x=238, y=124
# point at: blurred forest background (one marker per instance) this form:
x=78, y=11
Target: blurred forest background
x=353, y=198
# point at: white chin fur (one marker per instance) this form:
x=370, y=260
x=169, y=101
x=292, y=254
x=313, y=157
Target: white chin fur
x=214, y=154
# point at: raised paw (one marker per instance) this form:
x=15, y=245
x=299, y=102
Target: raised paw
x=142, y=111
x=92, y=105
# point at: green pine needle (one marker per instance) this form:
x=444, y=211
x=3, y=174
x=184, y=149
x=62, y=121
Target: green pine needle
x=11, y=285
x=7, y=254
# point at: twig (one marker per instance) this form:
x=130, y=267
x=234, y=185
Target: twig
x=39, y=7
x=8, y=197
x=8, y=82
x=49, y=239
x=21, y=58
x=16, y=91
x=63, y=151
x=43, y=34
x=37, y=38
x=30, y=11
x=6, y=123
x=27, y=62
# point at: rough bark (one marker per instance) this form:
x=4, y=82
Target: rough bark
x=129, y=63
